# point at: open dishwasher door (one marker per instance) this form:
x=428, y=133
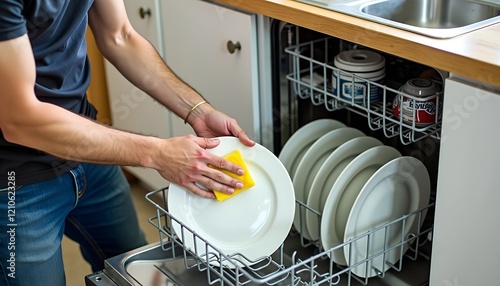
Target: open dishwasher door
x=149, y=265
x=169, y=262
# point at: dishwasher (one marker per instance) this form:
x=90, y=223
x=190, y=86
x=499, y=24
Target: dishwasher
x=304, y=74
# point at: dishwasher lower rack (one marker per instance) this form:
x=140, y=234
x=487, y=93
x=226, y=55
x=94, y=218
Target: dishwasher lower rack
x=299, y=261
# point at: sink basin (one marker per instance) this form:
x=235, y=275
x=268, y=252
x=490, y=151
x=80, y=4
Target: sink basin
x=433, y=18
x=444, y=16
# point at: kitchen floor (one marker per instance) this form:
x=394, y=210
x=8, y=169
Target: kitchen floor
x=77, y=268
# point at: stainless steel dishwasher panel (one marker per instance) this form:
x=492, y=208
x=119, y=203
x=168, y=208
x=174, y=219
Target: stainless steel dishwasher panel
x=149, y=265
x=296, y=262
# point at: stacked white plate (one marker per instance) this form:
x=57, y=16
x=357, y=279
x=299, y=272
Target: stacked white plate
x=398, y=188
x=311, y=162
x=353, y=184
x=294, y=149
x=328, y=175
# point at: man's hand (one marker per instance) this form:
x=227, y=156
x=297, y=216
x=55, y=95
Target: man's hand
x=214, y=123
x=184, y=161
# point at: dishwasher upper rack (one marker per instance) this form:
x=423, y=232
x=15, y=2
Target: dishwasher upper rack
x=291, y=264
x=308, y=66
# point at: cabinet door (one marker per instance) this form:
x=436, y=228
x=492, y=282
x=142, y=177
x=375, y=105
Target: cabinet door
x=465, y=243
x=196, y=34
x=132, y=109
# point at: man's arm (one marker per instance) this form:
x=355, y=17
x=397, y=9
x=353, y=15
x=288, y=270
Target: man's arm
x=27, y=121
x=138, y=60
x=140, y=63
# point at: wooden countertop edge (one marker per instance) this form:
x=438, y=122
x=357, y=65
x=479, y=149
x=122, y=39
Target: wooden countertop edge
x=452, y=55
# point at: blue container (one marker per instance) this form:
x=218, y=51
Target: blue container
x=366, y=66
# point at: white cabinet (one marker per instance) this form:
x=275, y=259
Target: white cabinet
x=132, y=109
x=466, y=249
x=196, y=36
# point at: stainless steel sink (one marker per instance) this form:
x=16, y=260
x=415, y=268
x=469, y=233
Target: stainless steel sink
x=433, y=18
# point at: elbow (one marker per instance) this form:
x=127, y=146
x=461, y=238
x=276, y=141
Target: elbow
x=19, y=134
x=20, y=118
x=14, y=128
x=110, y=45
x=10, y=133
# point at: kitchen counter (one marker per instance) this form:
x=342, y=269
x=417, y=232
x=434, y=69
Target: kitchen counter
x=475, y=55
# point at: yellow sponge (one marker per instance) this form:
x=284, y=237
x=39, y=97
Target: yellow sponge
x=246, y=178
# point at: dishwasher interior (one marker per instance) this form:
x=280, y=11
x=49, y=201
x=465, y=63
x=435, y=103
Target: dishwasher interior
x=303, y=65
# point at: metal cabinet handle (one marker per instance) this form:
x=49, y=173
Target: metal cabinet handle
x=232, y=47
x=144, y=12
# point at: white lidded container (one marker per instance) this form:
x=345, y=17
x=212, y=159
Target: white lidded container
x=366, y=66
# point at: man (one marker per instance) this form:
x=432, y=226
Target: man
x=46, y=128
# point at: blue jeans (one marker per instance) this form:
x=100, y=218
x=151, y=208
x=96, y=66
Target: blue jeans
x=91, y=204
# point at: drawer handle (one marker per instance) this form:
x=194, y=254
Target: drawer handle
x=144, y=12
x=232, y=47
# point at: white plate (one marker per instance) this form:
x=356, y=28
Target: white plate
x=309, y=166
x=343, y=194
x=297, y=145
x=328, y=174
x=399, y=188
x=253, y=223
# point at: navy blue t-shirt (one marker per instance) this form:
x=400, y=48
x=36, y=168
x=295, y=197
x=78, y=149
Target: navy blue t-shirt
x=56, y=29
